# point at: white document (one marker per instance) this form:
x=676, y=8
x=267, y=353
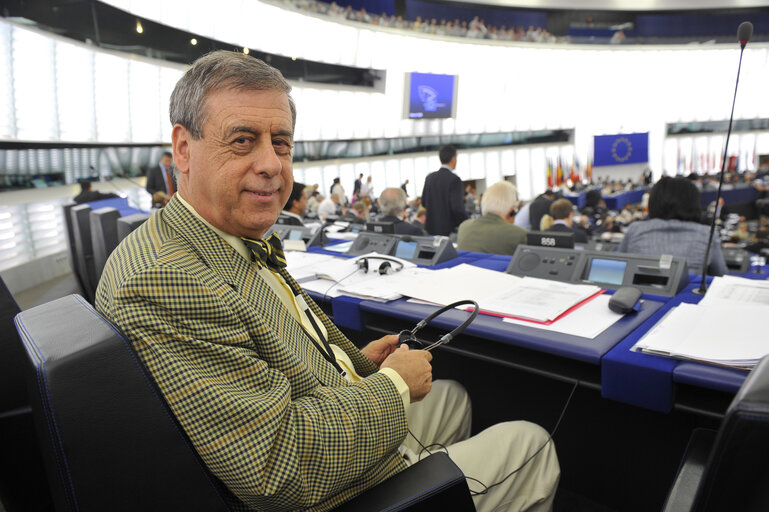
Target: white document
x=732, y=335
x=736, y=290
x=464, y=281
x=538, y=299
x=498, y=292
x=302, y=265
x=588, y=321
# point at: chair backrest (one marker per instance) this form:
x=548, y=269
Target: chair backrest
x=108, y=439
x=23, y=485
x=129, y=223
x=103, y=236
x=81, y=234
x=73, y=256
x=736, y=476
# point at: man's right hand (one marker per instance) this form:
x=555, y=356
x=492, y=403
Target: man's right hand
x=414, y=368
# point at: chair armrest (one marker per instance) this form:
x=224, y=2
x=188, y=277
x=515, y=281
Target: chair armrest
x=684, y=491
x=434, y=483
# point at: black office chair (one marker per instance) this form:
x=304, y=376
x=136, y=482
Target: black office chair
x=103, y=236
x=125, y=225
x=728, y=469
x=81, y=236
x=23, y=485
x=110, y=441
x=73, y=257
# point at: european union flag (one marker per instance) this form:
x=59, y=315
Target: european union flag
x=622, y=148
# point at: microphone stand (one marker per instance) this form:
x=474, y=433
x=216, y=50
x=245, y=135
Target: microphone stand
x=703, y=285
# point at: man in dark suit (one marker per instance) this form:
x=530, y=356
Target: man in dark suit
x=87, y=195
x=161, y=179
x=540, y=206
x=562, y=212
x=392, y=201
x=296, y=206
x=442, y=196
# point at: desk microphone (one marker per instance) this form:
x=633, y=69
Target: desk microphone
x=744, y=33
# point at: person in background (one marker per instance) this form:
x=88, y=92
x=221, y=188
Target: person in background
x=338, y=191
x=562, y=212
x=296, y=206
x=357, y=213
x=356, y=188
x=329, y=207
x=403, y=186
x=161, y=177
x=313, y=202
x=674, y=227
x=367, y=189
x=419, y=218
x=494, y=232
x=442, y=196
x=87, y=195
x=392, y=204
x=283, y=409
x=540, y=207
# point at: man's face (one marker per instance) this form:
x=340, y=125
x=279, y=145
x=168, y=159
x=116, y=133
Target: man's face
x=301, y=205
x=238, y=175
x=166, y=162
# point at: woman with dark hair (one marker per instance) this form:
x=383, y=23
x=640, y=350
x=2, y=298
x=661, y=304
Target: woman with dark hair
x=674, y=227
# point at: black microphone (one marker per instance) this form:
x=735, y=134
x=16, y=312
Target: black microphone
x=744, y=33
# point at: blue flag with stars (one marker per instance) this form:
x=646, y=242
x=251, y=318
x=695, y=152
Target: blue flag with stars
x=622, y=148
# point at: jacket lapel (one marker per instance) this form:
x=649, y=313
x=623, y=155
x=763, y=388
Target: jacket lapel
x=277, y=337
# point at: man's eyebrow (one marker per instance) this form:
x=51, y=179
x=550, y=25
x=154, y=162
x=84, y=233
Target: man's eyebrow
x=241, y=129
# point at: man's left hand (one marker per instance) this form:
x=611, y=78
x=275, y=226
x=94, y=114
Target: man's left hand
x=378, y=350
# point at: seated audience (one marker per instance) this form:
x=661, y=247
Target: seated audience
x=419, y=218
x=329, y=207
x=87, y=195
x=494, y=231
x=673, y=227
x=357, y=213
x=562, y=212
x=296, y=206
x=392, y=204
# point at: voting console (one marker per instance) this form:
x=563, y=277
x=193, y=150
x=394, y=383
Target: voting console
x=422, y=250
x=656, y=275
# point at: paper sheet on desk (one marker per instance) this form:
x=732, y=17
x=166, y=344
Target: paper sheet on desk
x=498, y=292
x=589, y=321
x=730, y=335
x=734, y=290
x=302, y=265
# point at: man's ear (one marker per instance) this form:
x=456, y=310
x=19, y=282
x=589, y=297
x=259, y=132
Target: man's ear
x=180, y=139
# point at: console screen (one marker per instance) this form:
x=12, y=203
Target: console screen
x=405, y=250
x=295, y=234
x=607, y=271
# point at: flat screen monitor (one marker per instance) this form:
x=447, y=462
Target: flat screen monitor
x=405, y=250
x=430, y=96
x=607, y=271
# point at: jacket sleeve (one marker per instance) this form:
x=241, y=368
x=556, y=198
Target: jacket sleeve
x=273, y=445
x=457, y=203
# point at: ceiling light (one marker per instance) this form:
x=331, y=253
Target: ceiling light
x=193, y=41
x=245, y=50
x=139, y=27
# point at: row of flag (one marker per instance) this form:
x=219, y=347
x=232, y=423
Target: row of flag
x=700, y=162
x=556, y=176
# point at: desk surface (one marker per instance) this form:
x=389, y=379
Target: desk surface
x=635, y=378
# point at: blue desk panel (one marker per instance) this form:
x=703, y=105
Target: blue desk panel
x=493, y=328
x=118, y=203
x=577, y=200
x=617, y=201
x=733, y=196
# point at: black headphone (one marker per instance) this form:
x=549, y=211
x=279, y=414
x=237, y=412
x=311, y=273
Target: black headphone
x=409, y=338
x=385, y=268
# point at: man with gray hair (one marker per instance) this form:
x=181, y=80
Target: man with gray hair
x=281, y=407
x=494, y=232
x=392, y=203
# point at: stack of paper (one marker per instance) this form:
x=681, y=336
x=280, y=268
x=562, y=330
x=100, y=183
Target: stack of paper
x=499, y=293
x=302, y=265
x=728, y=327
x=723, y=335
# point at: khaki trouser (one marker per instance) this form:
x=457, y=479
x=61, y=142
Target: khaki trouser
x=444, y=417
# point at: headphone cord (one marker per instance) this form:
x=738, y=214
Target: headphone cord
x=516, y=470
